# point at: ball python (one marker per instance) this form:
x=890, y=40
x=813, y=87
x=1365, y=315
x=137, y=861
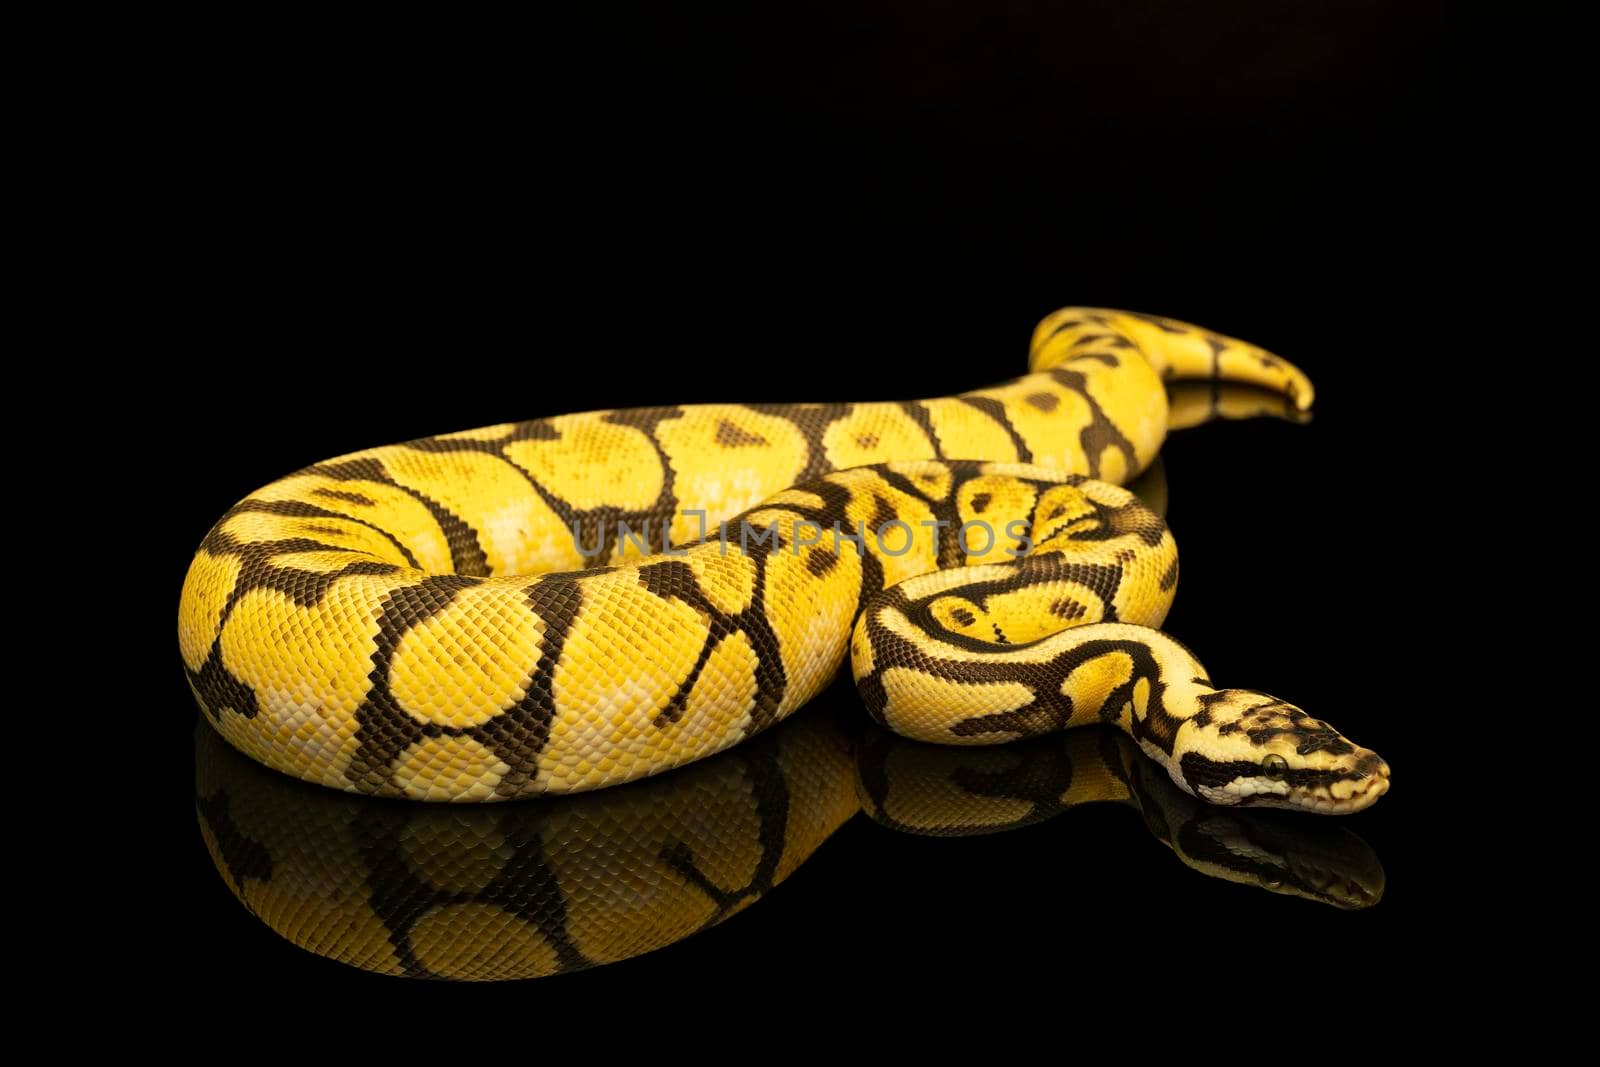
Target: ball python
x=528, y=890
x=575, y=602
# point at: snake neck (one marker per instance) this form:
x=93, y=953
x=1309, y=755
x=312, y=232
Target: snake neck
x=1160, y=700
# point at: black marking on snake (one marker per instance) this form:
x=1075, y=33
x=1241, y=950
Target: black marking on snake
x=646, y=421
x=1217, y=348
x=519, y=734
x=1048, y=713
x=1169, y=577
x=905, y=484
x=300, y=510
x=219, y=689
x=535, y=430
x=1045, y=402
x=772, y=679
x=341, y=495
x=874, y=698
x=490, y=446
x=675, y=580
x=1101, y=433
x=836, y=500
x=1162, y=324
x=1216, y=363
x=821, y=560
x=366, y=469
x=918, y=414
x=883, y=513
x=813, y=423
x=467, y=557
x=1068, y=608
x=731, y=435
x=946, y=510
x=305, y=588
x=383, y=728
x=997, y=411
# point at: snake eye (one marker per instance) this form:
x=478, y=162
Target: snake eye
x=1274, y=766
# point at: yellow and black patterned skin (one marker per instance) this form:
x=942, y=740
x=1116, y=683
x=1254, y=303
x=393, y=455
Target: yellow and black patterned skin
x=551, y=606
x=529, y=890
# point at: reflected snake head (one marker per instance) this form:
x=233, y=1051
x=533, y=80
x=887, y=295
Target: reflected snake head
x=1247, y=748
x=1312, y=860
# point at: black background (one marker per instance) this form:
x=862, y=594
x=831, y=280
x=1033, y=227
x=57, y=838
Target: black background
x=384, y=236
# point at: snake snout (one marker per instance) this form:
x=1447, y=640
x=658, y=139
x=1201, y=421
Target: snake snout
x=1367, y=781
x=1372, y=765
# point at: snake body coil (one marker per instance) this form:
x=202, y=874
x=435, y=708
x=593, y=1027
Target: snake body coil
x=569, y=603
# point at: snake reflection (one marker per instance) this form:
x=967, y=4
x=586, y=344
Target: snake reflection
x=528, y=890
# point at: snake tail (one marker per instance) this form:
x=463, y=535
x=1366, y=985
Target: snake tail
x=1177, y=351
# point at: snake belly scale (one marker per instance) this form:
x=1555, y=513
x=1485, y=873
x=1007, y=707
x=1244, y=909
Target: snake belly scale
x=569, y=603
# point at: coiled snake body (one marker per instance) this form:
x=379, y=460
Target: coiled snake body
x=569, y=603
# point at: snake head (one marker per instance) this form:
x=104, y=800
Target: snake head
x=1243, y=747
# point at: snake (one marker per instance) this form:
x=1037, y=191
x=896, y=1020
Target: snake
x=575, y=602
x=514, y=891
